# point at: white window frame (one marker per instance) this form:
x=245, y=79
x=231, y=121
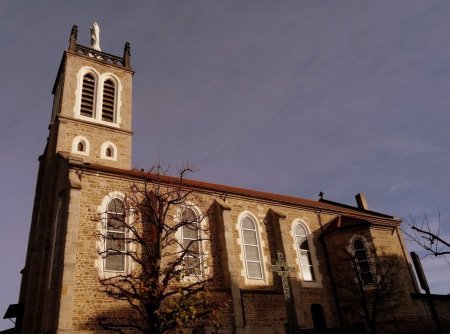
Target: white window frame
x=198, y=240
x=78, y=93
x=309, y=264
x=104, y=78
x=203, y=223
x=84, y=141
x=263, y=259
x=317, y=282
x=104, y=147
x=369, y=260
x=115, y=231
x=98, y=96
x=102, y=229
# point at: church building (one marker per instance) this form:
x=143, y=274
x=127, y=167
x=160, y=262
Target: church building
x=286, y=264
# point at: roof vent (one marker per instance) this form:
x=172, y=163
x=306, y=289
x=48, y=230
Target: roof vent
x=361, y=201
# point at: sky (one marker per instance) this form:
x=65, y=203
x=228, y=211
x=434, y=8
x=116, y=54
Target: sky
x=290, y=97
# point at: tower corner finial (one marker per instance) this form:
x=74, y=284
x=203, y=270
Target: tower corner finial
x=95, y=37
x=126, y=55
x=73, y=38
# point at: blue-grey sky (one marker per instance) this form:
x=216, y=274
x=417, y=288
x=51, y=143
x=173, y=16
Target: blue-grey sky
x=291, y=97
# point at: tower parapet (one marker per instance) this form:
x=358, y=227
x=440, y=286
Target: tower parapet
x=93, y=53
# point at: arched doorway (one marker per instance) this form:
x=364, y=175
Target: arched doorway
x=318, y=316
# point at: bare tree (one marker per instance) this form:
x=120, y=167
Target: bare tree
x=369, y=288
x=158, y=239
x=428, y=237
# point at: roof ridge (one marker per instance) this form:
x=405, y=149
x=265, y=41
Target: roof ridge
x=320, y=204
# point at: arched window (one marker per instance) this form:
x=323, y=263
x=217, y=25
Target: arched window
x=115, y=238
x=362, y=262
x=191, y=241
x=98, y=97
x=108, y=151
x=109, y=96
x=252, y=251
x=80, y=145
x=304, y=252
x=88, y=96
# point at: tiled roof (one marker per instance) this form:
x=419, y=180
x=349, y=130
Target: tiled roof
x=206, y=186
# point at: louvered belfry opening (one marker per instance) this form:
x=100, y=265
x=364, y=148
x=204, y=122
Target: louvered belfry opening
x=109, y=92
x=87, y=96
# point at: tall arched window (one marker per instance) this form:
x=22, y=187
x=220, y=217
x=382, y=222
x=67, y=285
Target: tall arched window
x=109, y=96
x=304, y=252
x=115, y=239
x=98, y=97
x=252, y=251
x=362, y=262
x=191, y=241
x=88, y=96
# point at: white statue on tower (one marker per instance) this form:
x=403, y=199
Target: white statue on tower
x=95, y=37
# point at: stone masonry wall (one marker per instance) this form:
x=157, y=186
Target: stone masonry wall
x=95, y=132
x=97, y=135
x=261, y=308
x=384, y=251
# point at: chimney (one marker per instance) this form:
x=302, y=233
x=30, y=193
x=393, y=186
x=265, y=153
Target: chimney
x=361, y=201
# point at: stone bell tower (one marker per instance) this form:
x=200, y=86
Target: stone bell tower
x=91, y=116
x=90, y=124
